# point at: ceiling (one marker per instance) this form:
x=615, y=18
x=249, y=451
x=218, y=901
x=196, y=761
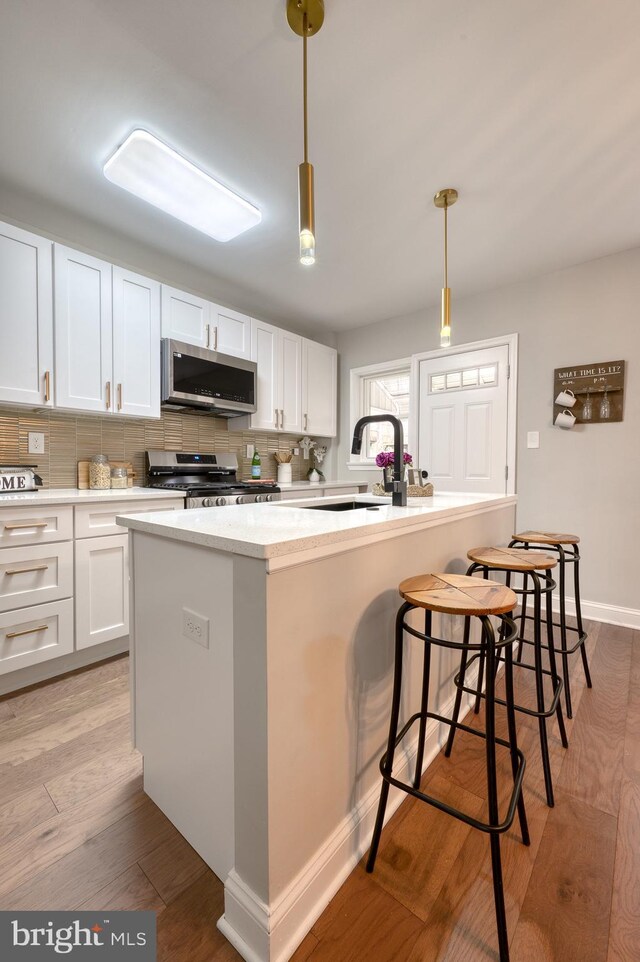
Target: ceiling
x=531, y=110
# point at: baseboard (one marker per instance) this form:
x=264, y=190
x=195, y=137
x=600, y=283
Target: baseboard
x=596, y=611
x=24, y=677
x=271, y=933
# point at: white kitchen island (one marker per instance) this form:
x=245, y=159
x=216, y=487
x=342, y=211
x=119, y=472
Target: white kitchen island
x=262, y=662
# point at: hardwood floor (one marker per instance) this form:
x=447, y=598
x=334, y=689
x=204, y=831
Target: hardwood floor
x=77, y=832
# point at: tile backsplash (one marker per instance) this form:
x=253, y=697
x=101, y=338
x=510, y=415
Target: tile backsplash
x=70, y=438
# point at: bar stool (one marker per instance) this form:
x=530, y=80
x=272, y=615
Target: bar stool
x=532, y=564
x=566, y=547
x=459, y=595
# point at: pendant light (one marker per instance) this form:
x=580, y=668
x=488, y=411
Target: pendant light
x=305, y=18
x=445, y=199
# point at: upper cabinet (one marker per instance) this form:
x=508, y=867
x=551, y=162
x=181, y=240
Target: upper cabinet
x=26, y=318
x=278, y=355
x=107, y=337
x=193, y=320
x=320, y=389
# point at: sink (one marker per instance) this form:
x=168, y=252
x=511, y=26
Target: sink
x=342, y=506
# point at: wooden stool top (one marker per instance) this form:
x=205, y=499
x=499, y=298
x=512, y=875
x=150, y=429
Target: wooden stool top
x=458, y=594
x=512, y=559
x=546, y=537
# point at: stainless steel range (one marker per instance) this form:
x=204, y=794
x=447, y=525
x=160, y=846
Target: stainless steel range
x=210, y=480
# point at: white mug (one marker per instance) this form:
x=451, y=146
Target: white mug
x=565, y=419
x=566, y=398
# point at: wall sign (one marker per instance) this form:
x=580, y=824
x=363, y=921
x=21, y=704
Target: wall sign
x=588, y=393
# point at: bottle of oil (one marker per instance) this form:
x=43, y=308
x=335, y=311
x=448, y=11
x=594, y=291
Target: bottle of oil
x=255, y=465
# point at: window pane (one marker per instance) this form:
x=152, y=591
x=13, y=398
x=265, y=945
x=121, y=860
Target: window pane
x=454, y=379
x=437, y=383
x=385, y=394
x=488, y=375
x=470, y=378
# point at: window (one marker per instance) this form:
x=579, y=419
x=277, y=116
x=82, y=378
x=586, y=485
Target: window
x=472, y=377
x=380, y=389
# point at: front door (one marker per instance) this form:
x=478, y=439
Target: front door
x=463, y=417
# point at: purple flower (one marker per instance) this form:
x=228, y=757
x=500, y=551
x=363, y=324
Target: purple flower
x=385, y=459
x=407, y=458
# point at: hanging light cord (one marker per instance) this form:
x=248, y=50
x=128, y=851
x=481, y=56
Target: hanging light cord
x=304, y=83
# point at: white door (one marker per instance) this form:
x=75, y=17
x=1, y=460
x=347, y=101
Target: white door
x=291, y=382
x=230, y=332
x=26, y=317
x=83, y=331
x=463, y=419
x=320, y=391
x=265, y=350
x=136, y=344
x=102, y=589
x=185, y=317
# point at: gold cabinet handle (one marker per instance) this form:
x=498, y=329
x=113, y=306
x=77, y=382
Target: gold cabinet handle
x=10, y=525
x=215, y=338
x=282, y=418
x=108, y=395
x=306, y=422
x=208, y=329
x=277, y=415
x=26, y=631
x=119, y=397
x=24, y=571
x=47, y=387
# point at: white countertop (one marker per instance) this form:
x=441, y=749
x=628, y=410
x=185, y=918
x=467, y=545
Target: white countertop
x=286, y=527
x=78, y=496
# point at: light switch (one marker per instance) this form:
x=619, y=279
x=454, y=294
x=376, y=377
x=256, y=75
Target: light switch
x=533, y=439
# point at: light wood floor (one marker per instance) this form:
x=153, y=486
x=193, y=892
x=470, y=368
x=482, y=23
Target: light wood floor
x=77, y=831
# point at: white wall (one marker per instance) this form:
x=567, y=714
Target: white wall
x=586, y=480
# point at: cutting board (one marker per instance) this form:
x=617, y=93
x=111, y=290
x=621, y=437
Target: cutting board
x=83, y=472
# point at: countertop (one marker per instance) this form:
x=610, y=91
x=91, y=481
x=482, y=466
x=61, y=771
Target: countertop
x=281, y=528
x=78, y=496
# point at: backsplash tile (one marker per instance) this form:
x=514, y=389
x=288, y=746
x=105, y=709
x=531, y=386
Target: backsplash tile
x=69, y=438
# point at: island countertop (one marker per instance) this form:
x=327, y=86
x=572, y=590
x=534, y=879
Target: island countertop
x=279, y=529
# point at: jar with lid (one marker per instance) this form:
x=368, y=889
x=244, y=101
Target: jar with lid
x=99, y=472
x=119, y=478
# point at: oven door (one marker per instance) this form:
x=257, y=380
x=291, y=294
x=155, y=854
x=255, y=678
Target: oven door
x=195, y=377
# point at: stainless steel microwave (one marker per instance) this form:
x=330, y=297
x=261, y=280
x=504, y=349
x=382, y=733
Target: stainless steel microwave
x=194, y=377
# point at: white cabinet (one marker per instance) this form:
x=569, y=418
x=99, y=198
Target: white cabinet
x=26, y=318
x=320, y=389
x=107, y=337
x=102, y=589
x=278, y=355
x=194, y=320
x=136, y=344
x=83, y=331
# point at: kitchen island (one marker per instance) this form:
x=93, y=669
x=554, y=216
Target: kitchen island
x=261, y=669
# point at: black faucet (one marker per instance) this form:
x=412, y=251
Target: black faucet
x=398, y=487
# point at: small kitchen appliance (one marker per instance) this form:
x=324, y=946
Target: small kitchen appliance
x=16, y=478
x=209, y=480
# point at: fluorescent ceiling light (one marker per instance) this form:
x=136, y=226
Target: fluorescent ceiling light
x=155, y=172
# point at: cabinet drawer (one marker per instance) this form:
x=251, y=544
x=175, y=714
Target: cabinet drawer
x=35, y=524
x=36, y=574
x=93, y=520
x=35, y=634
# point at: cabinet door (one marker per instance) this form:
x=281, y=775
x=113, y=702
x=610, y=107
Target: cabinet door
x=185, y=317
x=83, y=331
x=265, y=350
x=136, y=344
x=102, y=589
x=291, y=387
x=230, y=332
x=319, y=407
x=26, y=317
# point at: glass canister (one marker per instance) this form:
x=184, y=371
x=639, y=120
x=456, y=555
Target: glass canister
x=119, y=478
x=99, y=472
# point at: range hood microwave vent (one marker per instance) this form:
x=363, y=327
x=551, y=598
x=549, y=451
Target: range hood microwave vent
x=200, y=381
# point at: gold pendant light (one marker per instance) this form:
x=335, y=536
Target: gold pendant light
x=445, y=199
x=305, y=19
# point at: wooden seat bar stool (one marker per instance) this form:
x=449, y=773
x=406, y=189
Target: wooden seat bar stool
x=470, y=597
x=533, y=564
x=566, y=548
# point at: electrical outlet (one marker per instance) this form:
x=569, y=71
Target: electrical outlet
x=251, y=450
x=296, y=452
x=195, y=627
x=36, y=442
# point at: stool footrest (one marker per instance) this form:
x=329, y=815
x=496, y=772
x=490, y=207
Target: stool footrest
x=559, y=650
x=547, y=713
x=501, y=827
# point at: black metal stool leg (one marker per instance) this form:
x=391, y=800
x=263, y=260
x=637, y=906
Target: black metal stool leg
x=393, y=728
x=542, y=721
x=424, y=704
x=513, y=738
x=555, y=679
x=492, y=790
x=523, y=617
x=458, y=701
x=583, y=650
x=563, y=632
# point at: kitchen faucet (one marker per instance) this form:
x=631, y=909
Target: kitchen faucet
x=398, y=487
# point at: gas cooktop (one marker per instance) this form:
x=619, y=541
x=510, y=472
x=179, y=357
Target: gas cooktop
x=209, y=480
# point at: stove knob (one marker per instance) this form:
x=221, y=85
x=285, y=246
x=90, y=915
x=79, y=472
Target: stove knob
x=208, y=502
x=260, y=498
x=268, y=497
x=240, y=499
x=220, y=501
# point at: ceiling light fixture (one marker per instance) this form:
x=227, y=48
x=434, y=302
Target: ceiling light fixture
x=445, y=199
x=150, y=169
x=305, y=18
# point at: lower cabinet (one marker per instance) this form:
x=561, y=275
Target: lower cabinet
x=38, y=633
x=102, y=589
